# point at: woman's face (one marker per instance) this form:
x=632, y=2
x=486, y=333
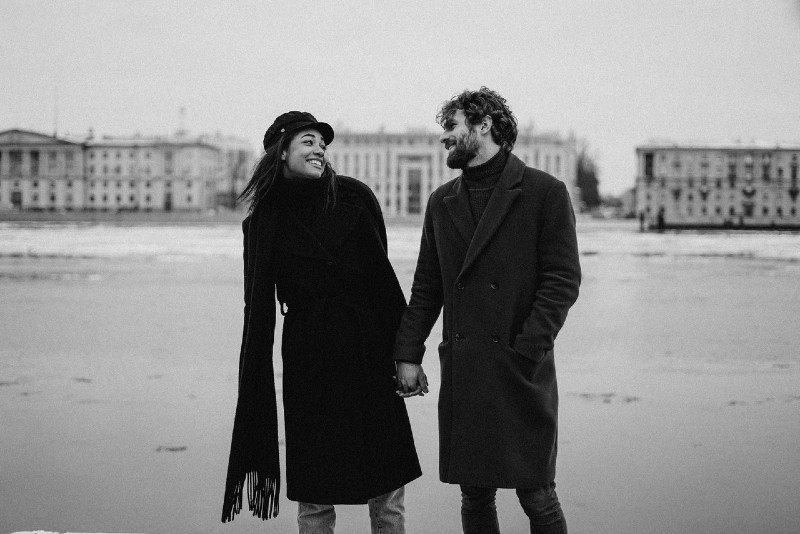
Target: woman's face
x=305, y=155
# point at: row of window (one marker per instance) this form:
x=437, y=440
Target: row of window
x=131, y=154
x=92, y=183
x=749, y=211
x=370, y=162
x=68, y=198
x=51, y=157
x=732, y=197
x=718, y=182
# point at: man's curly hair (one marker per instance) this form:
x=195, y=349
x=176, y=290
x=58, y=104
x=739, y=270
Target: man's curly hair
x=478, y=104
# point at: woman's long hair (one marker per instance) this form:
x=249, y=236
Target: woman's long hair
x=269, y=170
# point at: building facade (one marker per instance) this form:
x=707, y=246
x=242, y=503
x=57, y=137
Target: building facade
x=46, y=173
x=734, y=185
x=403, y=169
x=40, y=172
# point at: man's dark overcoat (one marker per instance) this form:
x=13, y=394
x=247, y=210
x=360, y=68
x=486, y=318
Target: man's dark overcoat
x=348, y=437
x=506, y=285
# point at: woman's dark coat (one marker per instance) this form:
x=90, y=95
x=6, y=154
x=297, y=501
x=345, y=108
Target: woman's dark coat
x=348, y=437
x=506, y=285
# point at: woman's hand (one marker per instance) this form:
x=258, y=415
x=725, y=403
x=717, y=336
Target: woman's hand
x=411, y=380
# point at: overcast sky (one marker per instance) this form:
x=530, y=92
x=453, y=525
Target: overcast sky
x=615, y=72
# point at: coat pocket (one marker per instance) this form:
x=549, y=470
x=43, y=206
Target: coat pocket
x=534, y=355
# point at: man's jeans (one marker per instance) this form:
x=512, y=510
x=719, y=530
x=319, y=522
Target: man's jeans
x=386, y=515
x=479, y=513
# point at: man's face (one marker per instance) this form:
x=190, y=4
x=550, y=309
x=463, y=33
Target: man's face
x=460, y=139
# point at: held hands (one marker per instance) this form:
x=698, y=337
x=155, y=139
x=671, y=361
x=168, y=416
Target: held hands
x=411, y=380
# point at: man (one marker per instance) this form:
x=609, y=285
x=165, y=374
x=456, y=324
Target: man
x=499, y=252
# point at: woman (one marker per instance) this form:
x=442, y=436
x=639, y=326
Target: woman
x=319, y=240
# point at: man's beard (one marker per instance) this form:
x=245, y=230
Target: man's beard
x=465, y=150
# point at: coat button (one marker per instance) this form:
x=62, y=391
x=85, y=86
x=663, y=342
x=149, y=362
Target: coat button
x=494, y=285
x=460, y=285
x=459, y=337
x=495, y=339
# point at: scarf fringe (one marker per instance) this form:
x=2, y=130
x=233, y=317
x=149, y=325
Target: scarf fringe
x=262, y=497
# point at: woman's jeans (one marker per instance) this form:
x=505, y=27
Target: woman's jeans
x=386, y=515
x=479, y=513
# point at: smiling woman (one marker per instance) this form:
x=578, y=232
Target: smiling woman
x=304, y=157
x=317, y=241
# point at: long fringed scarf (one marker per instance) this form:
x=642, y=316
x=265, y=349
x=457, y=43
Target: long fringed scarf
x=254, y=456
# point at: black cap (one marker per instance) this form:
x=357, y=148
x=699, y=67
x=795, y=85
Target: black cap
x=291, y=121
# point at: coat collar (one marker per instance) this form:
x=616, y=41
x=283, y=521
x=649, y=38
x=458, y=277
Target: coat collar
x=505, y=193
x=338, y=225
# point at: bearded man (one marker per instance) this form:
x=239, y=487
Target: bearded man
x=500, y=254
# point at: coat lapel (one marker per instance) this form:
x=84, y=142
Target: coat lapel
x=457, y=204
x=505, y=193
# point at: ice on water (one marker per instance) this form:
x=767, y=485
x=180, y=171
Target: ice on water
x=196, y=242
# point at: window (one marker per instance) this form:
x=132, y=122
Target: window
x=168, y=162
x=189, y=199
x=648, y=165
x=36, y=183
x=69, y=158
x=69, y=184
x=52, y=161
x=91, y=199
x=132, y=198
x=35, y=197
x=15, y=161
x=34, y=162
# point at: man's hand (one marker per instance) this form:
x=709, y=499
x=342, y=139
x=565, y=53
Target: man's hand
x=411, y=380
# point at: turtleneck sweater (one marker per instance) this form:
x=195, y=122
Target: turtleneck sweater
x=480, y=181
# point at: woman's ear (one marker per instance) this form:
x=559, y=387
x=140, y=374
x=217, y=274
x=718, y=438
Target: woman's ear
x=283, y=155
